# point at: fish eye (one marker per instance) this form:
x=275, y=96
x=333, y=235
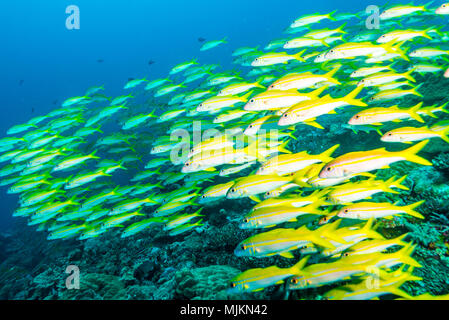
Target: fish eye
x=346, y=211
x=357, y=117
x=328, y=168
x=250, y=125
x=252, y=100
x=362, y=80
x=233, y=285
x=332, y=51
x=246, y=220
x=203, y=196
x=257, y=59
x=243, y=247
x=389, y=134
x=294, y=280
x=233, y=190
x=345, y=254
x=285, y=115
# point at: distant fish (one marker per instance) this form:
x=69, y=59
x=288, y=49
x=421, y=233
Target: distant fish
x=201, y=39
x=100, y=60
x=151, y=62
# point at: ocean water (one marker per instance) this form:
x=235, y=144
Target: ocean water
x=43, y=63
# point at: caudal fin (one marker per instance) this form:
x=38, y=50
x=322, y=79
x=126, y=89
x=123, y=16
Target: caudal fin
x=398, y=183
x=410, y=154
x=414, y=112
x=296, y=269
x=326, y=155
x=410, y=209
x=351, y=98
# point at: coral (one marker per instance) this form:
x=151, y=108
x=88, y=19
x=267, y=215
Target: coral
x=204, y=283
x=102, y=286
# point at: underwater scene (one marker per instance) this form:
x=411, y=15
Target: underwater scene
x=238, y=150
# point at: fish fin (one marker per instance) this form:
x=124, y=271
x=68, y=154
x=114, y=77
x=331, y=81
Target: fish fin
x=298, y=56
x=444, y=134
x=326, y=155
x=410, y=209
x=287, y=255
x=296, y=269
x=351, y=97
x=414, y=114
x=255, y=198
x=410, y=154
x=314, y=124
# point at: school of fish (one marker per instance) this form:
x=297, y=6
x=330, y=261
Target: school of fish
x=142, y=159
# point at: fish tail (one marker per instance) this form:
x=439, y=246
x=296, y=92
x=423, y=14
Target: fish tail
x=442, y=108
x=408, y=73
x=329, y=231
x=444, y=133
x=415, y=90
x=331, y=15
x=317, y=92
x=246, y=96
x=258, y=84
x=404, y=255
x=331, y=74
x=321, y=241
x=340, y=28
x=394, y=289
x=410, y=209
x=351, y=97
x=326, y=155
x=314, y=124
x=93, y=156
x=281, y=148
x=396, y=184
x=252, y=150
x=296, y=269
x=414, y=114
x=410, y=154
x=324, y=43
x=298, y=56
x=370, y=231
x=398, y=240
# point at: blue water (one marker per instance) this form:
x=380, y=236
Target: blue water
x=42, y=62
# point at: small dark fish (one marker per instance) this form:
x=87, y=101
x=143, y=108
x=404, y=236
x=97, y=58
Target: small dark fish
x=151, y=62
x=32, y=110
x=201, y=39
x=55, y=101
x=21, y=82
x=100, y=60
